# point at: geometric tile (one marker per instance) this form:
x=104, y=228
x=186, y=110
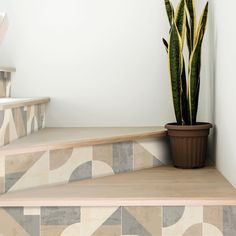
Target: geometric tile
x=122, y=157
x=60, y=215
x=229, y=219
x=115, y=218
x=131, y=226
x=142, y=158
x=103, y=153
x=21, y=162
x=11, y=179
x=92, y=218
x=59, y=157
x=213, y=215
x=9, y=227
x=209, y=229
x=83, y=171
x=194, y=230
x=172, y=214
x=20, y=119
x=100, y=169
x=52, y=230
x=31, y=224
x=148, y=217
x=108, y=230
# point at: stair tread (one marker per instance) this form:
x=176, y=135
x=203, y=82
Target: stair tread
x=8, y=103
x=7, y=69
x=59, y=138
x=156, y=186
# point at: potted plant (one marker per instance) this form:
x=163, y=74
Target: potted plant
x=188, y=138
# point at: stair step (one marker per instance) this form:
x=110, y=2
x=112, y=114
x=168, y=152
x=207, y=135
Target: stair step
x=21, y=117
x=62, y=138
x=152, y=187
x=61, y=155
x=9, y=103
x=7, y=69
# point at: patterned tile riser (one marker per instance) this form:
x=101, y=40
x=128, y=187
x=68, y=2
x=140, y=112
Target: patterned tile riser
x=5, y=84
x=65, y=165
x=19, y=122
x=119, y=221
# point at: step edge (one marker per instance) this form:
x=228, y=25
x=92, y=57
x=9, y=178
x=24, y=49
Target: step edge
x=29, y=102
x=7, y=69
x=84, y=143
x=106, y=202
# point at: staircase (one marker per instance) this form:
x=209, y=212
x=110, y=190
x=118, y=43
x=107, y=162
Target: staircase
x=100, y=181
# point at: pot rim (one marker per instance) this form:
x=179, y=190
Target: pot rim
x=198, y=126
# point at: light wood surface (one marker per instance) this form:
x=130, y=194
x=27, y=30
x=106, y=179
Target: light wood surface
x=7, y=69
x=59, y=138
x=8, y=103
x=152, y=187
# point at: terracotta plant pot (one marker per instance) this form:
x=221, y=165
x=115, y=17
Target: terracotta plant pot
x=189, y=144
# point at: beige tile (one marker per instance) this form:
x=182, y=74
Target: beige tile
x=32, y=211
x=20, y=124
x=142, y=158
x=108, y=230
x=52, y=230
x=59, y=157
x=21, y=162
x=194, y=230
x=103, y=153
x=9, y=227
x=213, y=215
x=148, y=217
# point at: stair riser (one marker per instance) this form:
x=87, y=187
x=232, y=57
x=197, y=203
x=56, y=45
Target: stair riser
x=118, y=221
x=5, y=84
x=65, y=165
x=19, y=122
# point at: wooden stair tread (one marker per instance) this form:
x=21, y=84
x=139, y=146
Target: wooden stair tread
x=59, y=138
x=7, y=69
x=157, y=186
x=8, y=103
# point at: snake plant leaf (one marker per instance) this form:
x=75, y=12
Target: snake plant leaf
x=188, y=34
x=184, y=97
x=180, y=19
x=165, y=44
x=192, y=20
x=175, y=59
x=195, y=67
x=169, y=11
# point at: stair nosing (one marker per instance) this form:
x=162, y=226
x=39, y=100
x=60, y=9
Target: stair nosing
x=82, y=143
x=23, y=102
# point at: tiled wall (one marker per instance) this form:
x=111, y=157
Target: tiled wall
x=64, y=165
x=5, y=84
x=119, y=221
x=19, y=122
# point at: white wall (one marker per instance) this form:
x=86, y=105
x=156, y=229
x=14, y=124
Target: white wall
x=102, y=62
x=225, y=87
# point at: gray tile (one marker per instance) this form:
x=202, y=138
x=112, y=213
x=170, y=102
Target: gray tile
x=229, y=221
x=131, y=226
x=115, y=218
x=31, y=224
x=11, y=179
x=84, y=171
x=2, y=114
x=123, y=157
x=60, y=215
x=172, y=214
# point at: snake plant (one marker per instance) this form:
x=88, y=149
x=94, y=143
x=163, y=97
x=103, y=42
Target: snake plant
x=185, y=88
